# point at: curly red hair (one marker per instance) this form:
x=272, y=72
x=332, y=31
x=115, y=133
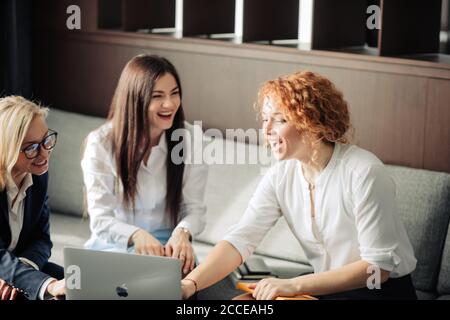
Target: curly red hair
x=311, y=102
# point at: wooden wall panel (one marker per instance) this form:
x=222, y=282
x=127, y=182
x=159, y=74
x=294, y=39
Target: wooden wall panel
x=220, y=81
x=78, y=77
x=387, y=113
x=437, y=130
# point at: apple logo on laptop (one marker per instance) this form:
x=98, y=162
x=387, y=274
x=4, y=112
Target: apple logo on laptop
x=122, y=291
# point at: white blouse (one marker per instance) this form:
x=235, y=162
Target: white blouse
x=17, y=197
x=16, y=209
x=355, y=213
x=112, y=223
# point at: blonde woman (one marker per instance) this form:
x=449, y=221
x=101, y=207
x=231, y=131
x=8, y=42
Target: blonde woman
x=337, y=198
x=25, y=246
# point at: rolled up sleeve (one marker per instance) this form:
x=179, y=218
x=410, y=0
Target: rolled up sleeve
x=260, y=216
x=384, y=258
x=375, y=207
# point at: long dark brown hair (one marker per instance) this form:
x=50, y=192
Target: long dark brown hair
x=130, y=134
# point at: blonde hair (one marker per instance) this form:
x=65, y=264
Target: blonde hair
x=16, y=114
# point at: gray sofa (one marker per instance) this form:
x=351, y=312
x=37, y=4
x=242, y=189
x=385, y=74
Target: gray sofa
x=423, y=200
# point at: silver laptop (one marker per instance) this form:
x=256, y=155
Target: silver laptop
x=98, y=275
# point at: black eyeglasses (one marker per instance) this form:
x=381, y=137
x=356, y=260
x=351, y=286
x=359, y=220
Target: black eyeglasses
x=48, y=143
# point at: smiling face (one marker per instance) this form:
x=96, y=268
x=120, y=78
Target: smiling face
x=284, y=138
x=164, y=104
x=37, y=131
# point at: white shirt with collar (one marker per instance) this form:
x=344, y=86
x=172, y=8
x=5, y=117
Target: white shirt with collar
x=16, y=198
x=16, y=209
x=355, y=213
x=113, y=224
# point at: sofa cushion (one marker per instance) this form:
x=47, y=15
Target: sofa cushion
x=425, y=295
x=66, y=179
x=228, y=192
x=444, y=273
x=423, y=199
x=67, y=231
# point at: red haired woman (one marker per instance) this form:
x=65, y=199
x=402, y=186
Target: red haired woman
x=337, y=198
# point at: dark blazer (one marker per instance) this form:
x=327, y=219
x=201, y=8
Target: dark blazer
x=34, y=240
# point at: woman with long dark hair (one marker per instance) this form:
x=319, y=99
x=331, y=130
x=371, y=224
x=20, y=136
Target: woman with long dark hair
x=140, y=195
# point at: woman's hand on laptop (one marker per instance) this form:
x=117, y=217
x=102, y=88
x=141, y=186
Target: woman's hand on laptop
x=146, y=244
x=7, y=292
x=179, y=246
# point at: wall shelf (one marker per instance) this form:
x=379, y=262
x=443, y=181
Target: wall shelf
x=408, y=28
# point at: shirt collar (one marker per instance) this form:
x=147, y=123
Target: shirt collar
x=12, y=188
x=162, y=142
x=321, y=178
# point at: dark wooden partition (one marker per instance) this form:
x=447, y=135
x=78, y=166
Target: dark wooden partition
x=372, y=34
x=205, y=17
x=109, y=14
x=407, y=27
x=338, y=24
x=410, y=27
x=147, y=14
x=270, y=20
